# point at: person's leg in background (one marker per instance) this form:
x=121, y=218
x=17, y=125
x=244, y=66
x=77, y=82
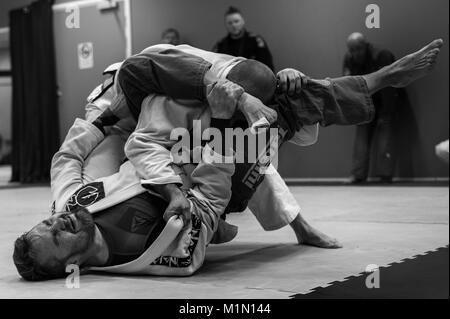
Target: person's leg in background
x=362, y=153
x=442, y=150
x=384, y=158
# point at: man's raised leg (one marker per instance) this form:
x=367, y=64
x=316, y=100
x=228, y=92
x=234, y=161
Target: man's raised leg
x=406, y=70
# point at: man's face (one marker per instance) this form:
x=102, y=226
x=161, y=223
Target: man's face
x=62, y=235
x=358, y=51
x=234, y=23
x=170, y=38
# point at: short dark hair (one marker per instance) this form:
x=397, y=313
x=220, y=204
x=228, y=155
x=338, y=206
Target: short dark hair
x=27, y=265
x=232, y=10
x=170, y=30
x=255, y=78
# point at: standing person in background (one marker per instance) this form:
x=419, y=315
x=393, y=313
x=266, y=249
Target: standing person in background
x=363, y=58
x=240, y=42
x=170, y=36
x=442, y=151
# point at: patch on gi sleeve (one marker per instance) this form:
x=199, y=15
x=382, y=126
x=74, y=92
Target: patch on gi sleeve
x=101, y=89
x=113, y=68
x=260, y=42
x=86, y=196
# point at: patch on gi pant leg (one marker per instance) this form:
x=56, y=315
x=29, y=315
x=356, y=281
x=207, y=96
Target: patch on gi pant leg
x=86, y=196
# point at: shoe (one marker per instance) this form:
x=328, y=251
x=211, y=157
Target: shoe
x=355, y=181
x=385, y=180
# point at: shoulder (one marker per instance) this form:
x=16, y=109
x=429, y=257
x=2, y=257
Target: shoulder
x=112, y=69
x=259, y=40
x=347, y=57
x=223, y=40
x=218, y=46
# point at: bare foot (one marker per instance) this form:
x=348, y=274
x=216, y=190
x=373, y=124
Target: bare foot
x=308, y=235
x=225, y=233
x=415, y=65
x=313, y=237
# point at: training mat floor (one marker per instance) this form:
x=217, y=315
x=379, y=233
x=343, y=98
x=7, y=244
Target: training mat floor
x=377, y=225
x=422, y=276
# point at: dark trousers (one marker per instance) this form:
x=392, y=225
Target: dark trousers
x=374, y=146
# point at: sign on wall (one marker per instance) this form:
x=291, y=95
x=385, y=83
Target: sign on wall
x=85, y=55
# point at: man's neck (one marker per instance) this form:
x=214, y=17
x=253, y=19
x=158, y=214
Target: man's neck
x=237, y=36
x=99, y=252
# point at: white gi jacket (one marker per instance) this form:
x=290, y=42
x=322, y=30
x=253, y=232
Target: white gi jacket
x=177, y=251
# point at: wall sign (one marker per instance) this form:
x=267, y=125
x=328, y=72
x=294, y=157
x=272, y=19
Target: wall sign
x=85, y=55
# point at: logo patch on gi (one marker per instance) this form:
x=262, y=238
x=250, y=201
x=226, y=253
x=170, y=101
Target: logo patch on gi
x=101, y=89
x=86, y=196
x=260, y=42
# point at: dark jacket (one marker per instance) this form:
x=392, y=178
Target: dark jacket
x=249, y=46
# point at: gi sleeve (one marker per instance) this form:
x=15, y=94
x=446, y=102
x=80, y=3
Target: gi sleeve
x=67, y=163
x=308, y=135
x=148, y=147
x=211, y=187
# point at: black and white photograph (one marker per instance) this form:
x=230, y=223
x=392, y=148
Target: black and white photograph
x=224, y=157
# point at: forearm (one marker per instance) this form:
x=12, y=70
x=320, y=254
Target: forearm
x=152, y=161
x=67, y=163
x=168, y=191
x=211, y=190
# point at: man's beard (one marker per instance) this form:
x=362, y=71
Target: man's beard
x=87, y=226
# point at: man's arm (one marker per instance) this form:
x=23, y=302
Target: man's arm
x=211, y=187
x=67, y=163
x=263, y=53
x=150, y=154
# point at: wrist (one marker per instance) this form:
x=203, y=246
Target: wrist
x=98, y=124
x=243, y=100
x=169, y=191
